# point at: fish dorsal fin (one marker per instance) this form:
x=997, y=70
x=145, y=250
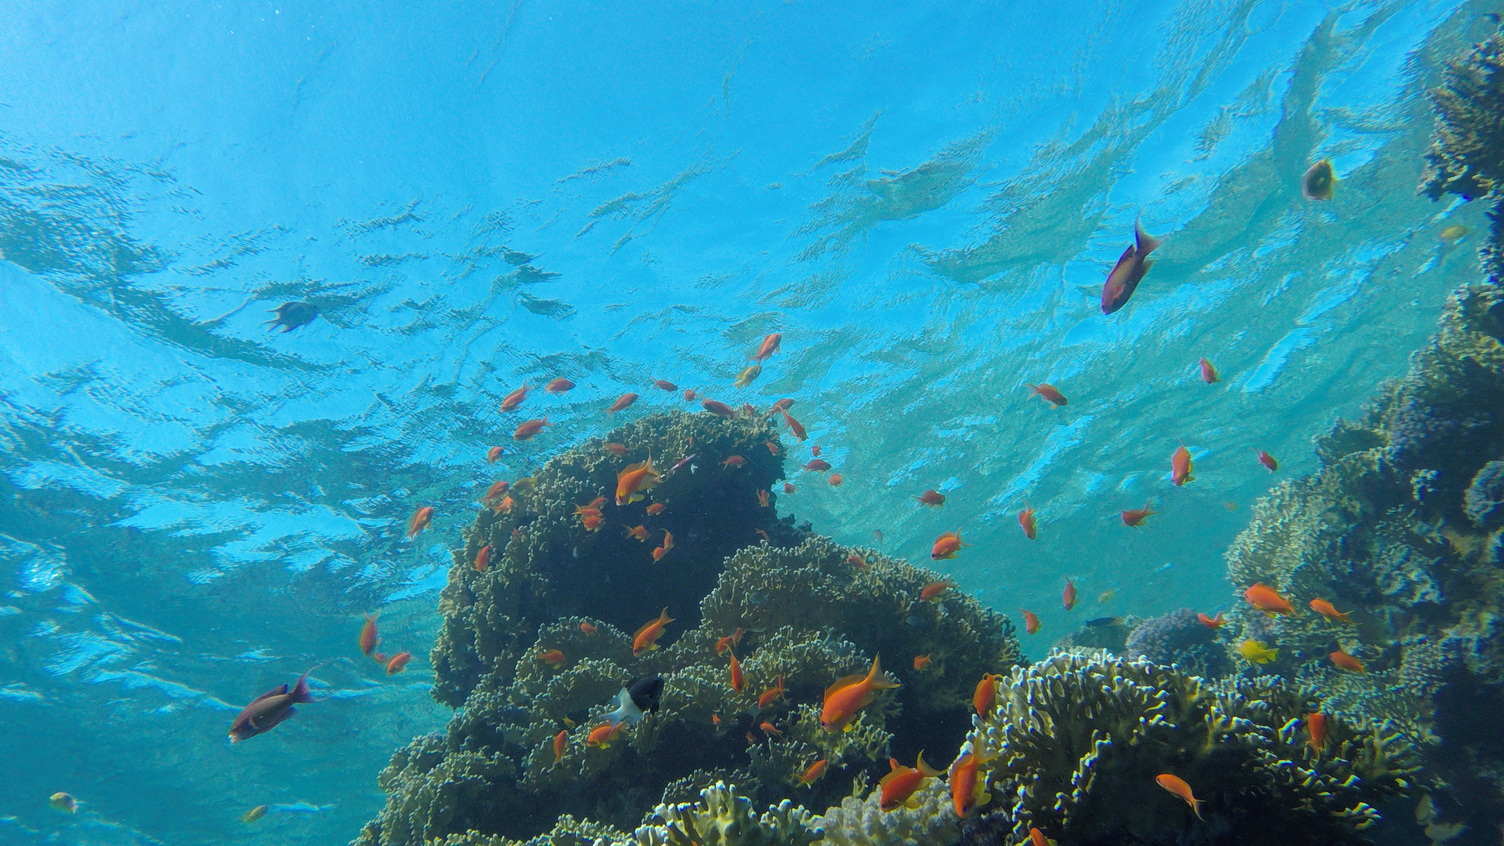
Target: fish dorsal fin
x=896, y=771
x=279, y=690
x=844, y=682
x=923, y=768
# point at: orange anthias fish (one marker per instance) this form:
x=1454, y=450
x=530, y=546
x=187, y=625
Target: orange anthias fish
x=1326, y=609
x=1267, y=460
x=934, y=589
x=1316, y=727
x=768, y=347
x=636, y=478
x=665, y=385
x=782, y=405
x=788, y=488
x=947, y=545
x=655, y=509
x=1037, y=838
x=1208, y=373
x=922, y=661
x=1027, y=521
x=621, y=402
x=639, y=532
x=733, y=462
x=1216, y=622
x=766, y=698
x=794, y=426
x=1129, y=271
x=559, y=386
x=819, y=465
x=528, y=429
x=588, y=628
x=813, y=773
x=1068, y=596
x=748, y=375
x=718, y=408
x=728, y=641
x=551, y=656
x=1267, y=600
x=738, y=678
x=1176, y=785
x=515, y=398
x=762, y=498
x=1180, y=466
x=1319, y=182
x=769, y=728
x=1031, y=621
x=668, y=543
x=967, y=792
x=851, y=694
x=369, y=639
x=615, y=449
x=1135, y=517
x=419, y=521
x=985, y=695
x=689, y=394
x=932, y=498
x=1050, y=393
x=493, y=454
x=602, y=735
x=836, y=479
x=483, y=558
x=773, y=447
x=398, y=663
x=560, y=741
x=898, y=786
x=1347, y=662
x=646, y=638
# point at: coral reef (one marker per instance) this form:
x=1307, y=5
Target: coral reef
x=1179, y=638
x=861, y=822
x=1078, y=740
x=1467, y=155
x=1484, y=501
x=721, y=817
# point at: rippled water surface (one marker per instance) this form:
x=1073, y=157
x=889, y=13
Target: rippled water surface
x=923, y=199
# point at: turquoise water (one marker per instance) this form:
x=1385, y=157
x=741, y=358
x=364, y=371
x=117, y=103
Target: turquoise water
x=923, y=200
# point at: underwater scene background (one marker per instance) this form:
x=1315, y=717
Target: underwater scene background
x=923, y=201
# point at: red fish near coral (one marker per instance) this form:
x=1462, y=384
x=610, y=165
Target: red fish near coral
x=1135, y=517
x=369, y=639
x=947, y=545
x=493, y=454
x=738, y=678
x=1129, y=271
x=898, y=786
x=1068, y=596
x=551, y=656
x=813, y=773
x=621, y=402
x=717, y=408
x=515, y=398
x=931, y=498
x=1216, y=622
x=967, y=791
x=634, y=479
x=1026, y=521
x=819, y=465
x=559, y=386
x=1180, y=466
x=922, y=662
x=1177, y=786
x=602, y=735
x=419, y=521
x=1326, y=609
x=483, y=558
x=934, y=589
x=985, y=696
x=1050, y=393
x=794, y=426
x=766, y=698
x=1031, y=621
x=398, y=663
x=528, y=429
x=269, y=709
x=1208, y=373
x=1267, y=460
x=1316, y=727
x=560, y=741
x=1267, y=600
x=646, y=638
x=733, y=462
x=768, y=347
x=664, y=385
x=1347, y=662
x=851, y=694
x=728, y=641
x=638, y=532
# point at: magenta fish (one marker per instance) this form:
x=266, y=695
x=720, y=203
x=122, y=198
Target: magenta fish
x=269, y=709
x=1129, y=270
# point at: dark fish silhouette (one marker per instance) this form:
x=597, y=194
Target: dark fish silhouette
x=635, y=699
x=292, y=315
x=269, y=709
x=1129, y=270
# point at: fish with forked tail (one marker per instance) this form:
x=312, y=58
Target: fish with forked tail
x=1129, y=271
x=270, y=708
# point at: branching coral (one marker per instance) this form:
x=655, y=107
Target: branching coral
x=862, y=822
x=723, y=818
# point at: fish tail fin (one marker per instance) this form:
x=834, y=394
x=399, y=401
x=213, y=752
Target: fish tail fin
x=924, y=768
x=300, y=691
x=1145, y=243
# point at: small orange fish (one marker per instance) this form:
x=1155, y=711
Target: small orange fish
x=985, y=695
x=788, y=487
x=1347, y=662
x=529, y=428
x=665, y=385
x=773, y=447
x=668, y=540
x=483, y=558
x=733, y=462
x=1267, y=600
x=718, y=408
x=504, y=505
x=851, y=694
x=1180, y=466
x=593, y=522
x=836, y=479
x=616, y=449
x=659, y=552
x=763, y=533
x=636, y=478
x=1068, y=596
x=1267, y=460
x=1208, y=373
x=728, y=641
x=934, y=589
x=967, y=792
x=1135, y=517
x=1177, y=786
x=794, y=426
x=782, y=405
x=1037, y=838
x=639, y=532
x=819, y=465
x=1325, y=609
x=738, y=678
x=947, y=545
x=602, y=735
x=769, y=728
x=1216, y=622
x=748, y=375
x=1316, y=728
x=689, y=394
x=768, y=346
x=597, y=503
x=813, y=773
x=646, y=638
x=857, y=561
x=655, y=509
x=922, y=661
x=588, y=628
x=369, y=639
x=766, y=698
x=1031, y=621
x=397, y=662
x=559, y=386
x=560, y=740
x=496, y=490
x=931, y=498
x=493, y=454
x=551, y=656
x=515, y=398
x=621, y=403
x=751, y=741
x=1050, y=393
x=419, y=521
x=1026, y=520
x=814, y=450
x=762, y=498
x=899, y=785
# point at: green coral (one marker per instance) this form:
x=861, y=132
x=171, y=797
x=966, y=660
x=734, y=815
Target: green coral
x=722, y=817
x=859, y=821
x=1076, y=743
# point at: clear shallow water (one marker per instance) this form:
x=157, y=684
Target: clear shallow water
x=924, y=203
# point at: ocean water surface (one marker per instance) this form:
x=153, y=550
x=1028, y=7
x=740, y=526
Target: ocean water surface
x=922, y=198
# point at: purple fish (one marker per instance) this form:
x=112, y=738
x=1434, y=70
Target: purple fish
x=1129, y=270
x=683, y=461
x=270, y=708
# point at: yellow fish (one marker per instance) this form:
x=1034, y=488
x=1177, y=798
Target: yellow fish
x=254, y=814
x=1454, y=233
x=1257, y=652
